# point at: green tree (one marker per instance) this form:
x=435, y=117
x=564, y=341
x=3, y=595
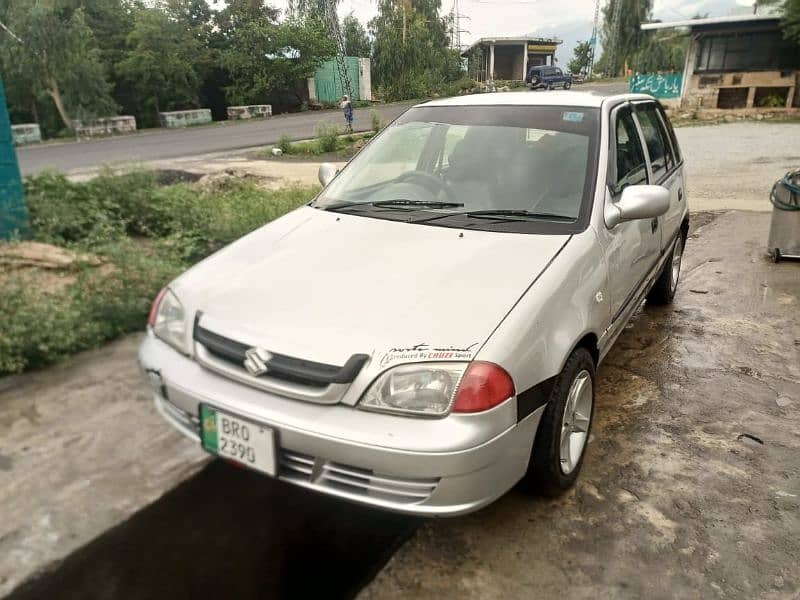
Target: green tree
x=308, y=8
x=55, y=55
x=791, y=20
x=160, y=67
x=660, y=50
x=410, y=53
x=238, y=14
x=625, y=41
x=265, y=58
x=581, y=59
x=356, y=41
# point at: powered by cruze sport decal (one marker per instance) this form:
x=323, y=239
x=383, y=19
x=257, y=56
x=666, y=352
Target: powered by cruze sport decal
x=420, y=352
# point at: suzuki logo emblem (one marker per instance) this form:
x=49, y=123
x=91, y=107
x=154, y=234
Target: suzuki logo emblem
x=256, y=360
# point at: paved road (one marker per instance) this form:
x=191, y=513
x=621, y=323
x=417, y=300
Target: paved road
x=155, y=145
x=148, y=146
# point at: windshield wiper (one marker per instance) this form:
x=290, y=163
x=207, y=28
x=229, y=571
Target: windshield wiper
x=426, y=203
x=397, y=202
x=500, y=213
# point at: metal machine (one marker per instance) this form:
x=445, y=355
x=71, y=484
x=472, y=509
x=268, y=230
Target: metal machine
x=784, y=232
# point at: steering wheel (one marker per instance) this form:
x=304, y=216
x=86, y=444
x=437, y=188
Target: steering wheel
x=432, y=183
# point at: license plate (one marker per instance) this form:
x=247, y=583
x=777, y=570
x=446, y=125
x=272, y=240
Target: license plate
x=241, y=440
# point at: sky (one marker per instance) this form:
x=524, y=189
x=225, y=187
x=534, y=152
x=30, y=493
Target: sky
x=570, y=20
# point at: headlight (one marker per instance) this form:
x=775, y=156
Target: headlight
x=425, y=389
x=435, y=389
x=168, y=320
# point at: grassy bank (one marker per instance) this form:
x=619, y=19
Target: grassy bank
x=128, y=235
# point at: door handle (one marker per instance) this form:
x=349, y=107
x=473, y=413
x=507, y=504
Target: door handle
x=654, y=225
x=680, y=195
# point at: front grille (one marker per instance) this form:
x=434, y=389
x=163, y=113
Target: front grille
x=280, y=366
x=319, y=473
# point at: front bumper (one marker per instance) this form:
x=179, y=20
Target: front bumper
x=429, y=467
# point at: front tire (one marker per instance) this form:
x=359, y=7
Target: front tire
x=666, y=285
x=560, y=443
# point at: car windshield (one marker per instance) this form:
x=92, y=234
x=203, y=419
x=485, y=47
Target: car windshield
x=476, y=166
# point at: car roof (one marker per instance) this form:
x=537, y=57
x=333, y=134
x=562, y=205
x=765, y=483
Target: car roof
x=553, y=98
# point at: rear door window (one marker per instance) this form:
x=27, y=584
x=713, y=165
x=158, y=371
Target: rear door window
x=629, y=167
x=676, y=151
x=658, y=147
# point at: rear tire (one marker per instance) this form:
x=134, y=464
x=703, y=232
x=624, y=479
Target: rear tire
x=549, y=86
x=560, y=443
x=666, y=285
x=567, y=85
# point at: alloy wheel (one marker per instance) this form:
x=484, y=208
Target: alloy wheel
x=677, y=255
x=575, y=422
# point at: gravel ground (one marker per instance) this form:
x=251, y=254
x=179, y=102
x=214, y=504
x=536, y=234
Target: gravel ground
x=733, y=165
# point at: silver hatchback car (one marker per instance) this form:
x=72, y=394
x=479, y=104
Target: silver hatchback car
x=425, y=333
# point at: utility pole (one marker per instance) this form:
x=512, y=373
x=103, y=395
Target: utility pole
x=455, y=26
x=338, y=38
x=593, y=39
x=613, y=48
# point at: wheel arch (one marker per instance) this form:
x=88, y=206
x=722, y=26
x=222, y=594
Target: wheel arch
x=589, y=342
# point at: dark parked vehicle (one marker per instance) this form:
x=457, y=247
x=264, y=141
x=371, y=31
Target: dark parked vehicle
x=543, y=76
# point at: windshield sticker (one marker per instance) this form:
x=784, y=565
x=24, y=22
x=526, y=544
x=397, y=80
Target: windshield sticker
x=572, y=117
x=420, y=352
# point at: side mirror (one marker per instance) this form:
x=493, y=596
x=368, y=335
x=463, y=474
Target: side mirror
x=327, y=171
x=637, y=202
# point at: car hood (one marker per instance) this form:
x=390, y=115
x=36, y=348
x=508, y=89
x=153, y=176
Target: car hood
x=323, y=286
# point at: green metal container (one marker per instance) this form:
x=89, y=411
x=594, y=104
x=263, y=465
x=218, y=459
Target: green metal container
x=13, y=210
x=328, y=83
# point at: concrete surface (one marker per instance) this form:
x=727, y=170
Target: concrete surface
x=691, y=485
x=271, y=173
x=230, y=534
x=81, y=449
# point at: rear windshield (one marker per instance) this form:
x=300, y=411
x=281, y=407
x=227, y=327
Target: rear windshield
x=541, y=160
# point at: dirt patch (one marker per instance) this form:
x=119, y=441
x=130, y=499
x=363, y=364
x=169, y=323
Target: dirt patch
x=171, y=176
x=702, y=218
x=49, y=268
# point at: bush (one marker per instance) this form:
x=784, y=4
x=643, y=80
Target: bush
x=202, y=222
x=377, y=122
x=64, y=212
x=183, y=223
x=41, y=327
x=285, y=144
x=327, y=137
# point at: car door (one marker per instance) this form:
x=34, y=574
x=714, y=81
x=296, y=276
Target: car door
x=665, y=166
x=632, y=247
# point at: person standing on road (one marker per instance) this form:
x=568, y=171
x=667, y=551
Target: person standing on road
x=347, y=107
